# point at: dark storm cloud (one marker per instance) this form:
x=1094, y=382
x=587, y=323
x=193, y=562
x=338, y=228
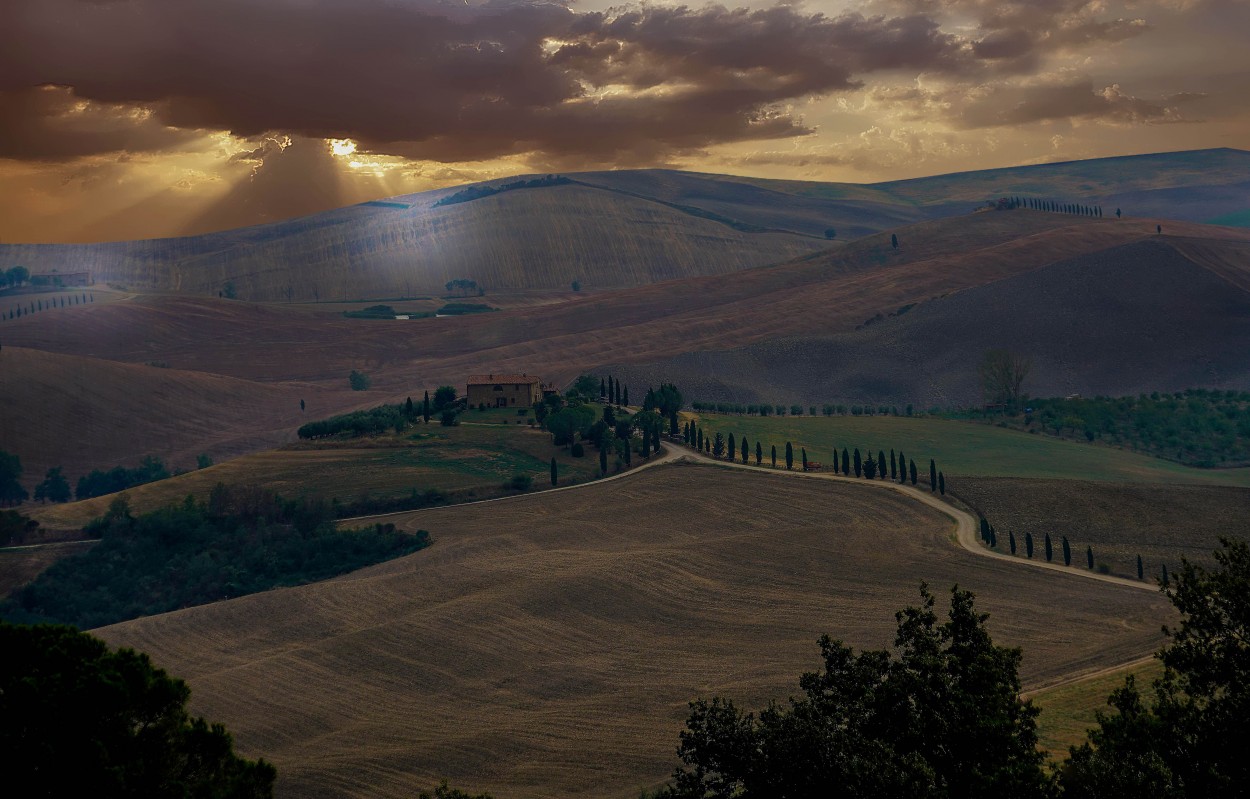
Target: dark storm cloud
x=454, y=82
x=50, y=123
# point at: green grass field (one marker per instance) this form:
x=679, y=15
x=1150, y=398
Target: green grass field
x=963, y=449
x=1068, y=710
x=467, y=457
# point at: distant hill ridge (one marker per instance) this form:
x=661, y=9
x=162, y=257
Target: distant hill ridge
x=615, y=229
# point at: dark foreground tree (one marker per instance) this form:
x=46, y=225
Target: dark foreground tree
x=940, y=716
x=1190, y=741
x=81, y=719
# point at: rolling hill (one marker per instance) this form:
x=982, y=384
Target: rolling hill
x=613, y=229
x=543, y=646
x=1151, y=315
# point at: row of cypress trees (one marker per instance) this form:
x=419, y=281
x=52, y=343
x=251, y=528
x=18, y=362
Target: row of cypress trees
x=989, y=536
x=38, y=305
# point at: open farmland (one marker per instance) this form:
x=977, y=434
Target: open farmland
x=965, y=450
x=1160, y=522
x=547, y=645
x=1069, y=709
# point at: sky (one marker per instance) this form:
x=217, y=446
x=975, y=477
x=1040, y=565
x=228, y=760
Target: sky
x=126, y=119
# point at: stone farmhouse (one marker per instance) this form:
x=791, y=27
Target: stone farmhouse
x=505, y=390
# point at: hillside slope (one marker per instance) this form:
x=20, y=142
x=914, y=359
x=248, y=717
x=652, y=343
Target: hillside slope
x=614, y=229
x=1150, y=315
x=554, y=654
x=85, y=413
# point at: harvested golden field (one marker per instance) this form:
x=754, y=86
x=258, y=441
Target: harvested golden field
x=1070, y=709
x=548, y=645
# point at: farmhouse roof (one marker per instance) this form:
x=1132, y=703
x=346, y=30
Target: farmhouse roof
x=482, y=380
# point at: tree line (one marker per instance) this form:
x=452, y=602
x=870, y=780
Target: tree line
x=990, y=537
x=939, y=716
x=895, y=466
x=240, y=540
x=383, y=418
x=1054, y=206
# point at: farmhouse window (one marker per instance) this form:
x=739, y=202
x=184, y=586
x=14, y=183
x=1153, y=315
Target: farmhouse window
x=498, y=388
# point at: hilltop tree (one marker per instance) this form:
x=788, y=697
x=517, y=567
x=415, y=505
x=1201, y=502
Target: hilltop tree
x=1049, y=551
x=1028, y=544
x=81, y=719
x=1002, y=376
x=913, y=473
x=774, y=446
x=1067, y=552
x=830, y=233
x=11, y=491
x=54, y=488
x=789, y=455
x=894, y=240
x=939, y=716
x=759, y=453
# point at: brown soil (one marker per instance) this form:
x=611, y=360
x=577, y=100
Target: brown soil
x=548, y=645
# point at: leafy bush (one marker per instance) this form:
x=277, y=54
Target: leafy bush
x=359, y=381
x=462, y=308
x=243, y=540
x=371, y=422
x=521, y=482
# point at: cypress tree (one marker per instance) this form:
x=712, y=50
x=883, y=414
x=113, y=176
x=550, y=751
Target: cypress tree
x=1049, y=552
x=893, y=467
x=707, y=444
x=1089, y=556
x=993, y=537
x=1067, y=552
x=603, y=459
x=301, y=405
x=902, y=468
x=646, y=444
x=894, y=241
x=746, y=453
x=846, y=463
x=699, y=442
x=625, y=394
x=425, y=409
x=789, y=455
x=859, y=464
x=618, y=393
x=733, y=447
x=759, y=453
x=941, y=484
x=409, y=411
x=774, y=456
x=1165, y=566
x=804, y=453
x=611, y=387
x=870, y=468
x=835, y=461
x=932, y=475
x=1139, y=568
x=554, y=473
x=655, y=440
x=985, y=530
x=881, y=462
x=1028, y=544
x=603, y=388
x=913, y=473
x=1011, y=539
